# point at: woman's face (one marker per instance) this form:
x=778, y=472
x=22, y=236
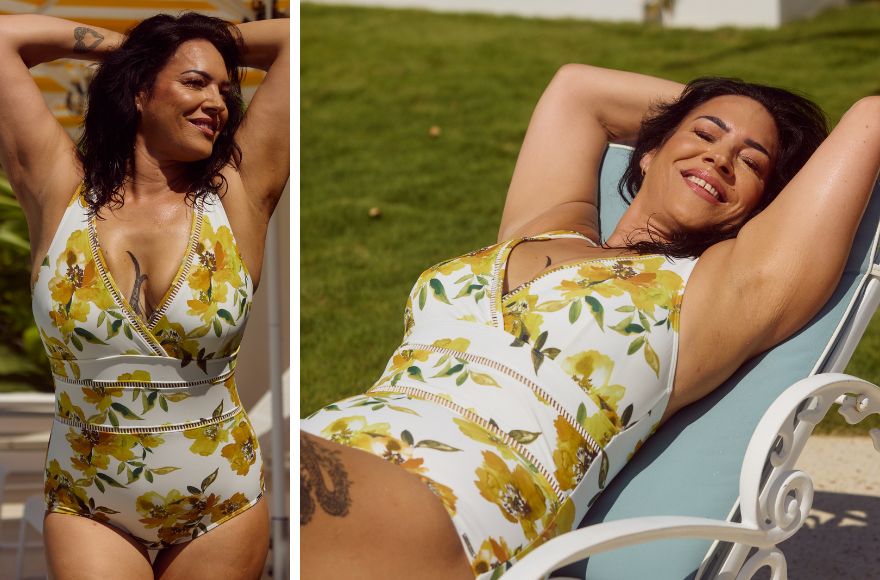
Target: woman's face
x=713, y=168
x=184, y=112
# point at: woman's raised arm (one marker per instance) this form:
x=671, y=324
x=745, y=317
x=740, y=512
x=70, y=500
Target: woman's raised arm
x=36, y=153
x=554, y=184
x=264, y=135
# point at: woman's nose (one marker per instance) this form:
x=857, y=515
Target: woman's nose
x=720, y=159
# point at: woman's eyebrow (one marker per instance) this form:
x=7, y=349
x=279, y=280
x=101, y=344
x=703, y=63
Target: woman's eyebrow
x=723, y=126
x=204, y=74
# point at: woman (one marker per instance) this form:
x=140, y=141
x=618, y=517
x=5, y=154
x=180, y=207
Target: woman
x=150, y=448
x=531, y=370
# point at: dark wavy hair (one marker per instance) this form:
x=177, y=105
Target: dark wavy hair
x=801, y=126
x=106, y=147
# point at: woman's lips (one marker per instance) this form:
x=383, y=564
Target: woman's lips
x=703, y=188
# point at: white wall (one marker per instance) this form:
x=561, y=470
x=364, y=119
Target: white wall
x=687, y=13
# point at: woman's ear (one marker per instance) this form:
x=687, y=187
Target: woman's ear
x=645, y=161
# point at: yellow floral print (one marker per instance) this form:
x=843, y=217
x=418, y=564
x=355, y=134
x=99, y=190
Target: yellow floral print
x=242, y=453
x=572, y=456
x=522, y=320
x=207, y=438
x=517, y=493
x=492, y=552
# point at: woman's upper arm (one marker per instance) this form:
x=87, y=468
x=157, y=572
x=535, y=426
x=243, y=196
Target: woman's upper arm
x=794, y=252
x=554, y=183
x=36, y=153
x=264, y=135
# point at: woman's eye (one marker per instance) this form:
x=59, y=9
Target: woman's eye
x=751, y=163
x=704, y=135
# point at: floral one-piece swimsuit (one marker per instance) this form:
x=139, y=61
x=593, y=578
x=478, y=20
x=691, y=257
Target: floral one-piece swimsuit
x=516, y=409
x=149, y=433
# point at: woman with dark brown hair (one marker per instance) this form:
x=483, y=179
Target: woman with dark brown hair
x=147, y=241
x=531, y=370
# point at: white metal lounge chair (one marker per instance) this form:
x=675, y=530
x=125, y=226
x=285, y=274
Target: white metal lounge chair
x=721, y=472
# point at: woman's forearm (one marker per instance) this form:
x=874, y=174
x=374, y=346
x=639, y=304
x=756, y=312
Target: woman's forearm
x=37, y=38
x=265, y=41
x=620, y=99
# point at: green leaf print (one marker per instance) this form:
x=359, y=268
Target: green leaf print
x=582, y=414
x=423, y=296
x=88, y=336
x=226, y=315
x=45, y=262
x=76, y=342
x=635, y=345
x=120, y=468
x=210, y=479
x=661, y=322
x=101, y=318
x=459, y=381
x=574, y=311
x=483, y=379
x=597, y=310
x=125, y=411
x=407, y=437
x=439, y=291
x=627, y=415
x=218, y=330
x=603, y=470
x=644, y=320
x=99, y=485
x=193, y=490
x=625, y=309
x=431, y=444
x=542, y=338
x=163, y=404
x=113, y=329
x=416, y=373
x=218, y=410
x=114, y=420
x=652, y=359
x=551, y=353
x=149, y=476
x=403, y=410
x=127, y=330
x=164, y=470
x=108, y=480
x=537, y=359
x=524, y=437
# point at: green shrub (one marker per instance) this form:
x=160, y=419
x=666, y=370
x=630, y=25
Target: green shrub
x=23, y=363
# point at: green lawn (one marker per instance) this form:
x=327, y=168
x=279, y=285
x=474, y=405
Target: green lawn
x=373, y=84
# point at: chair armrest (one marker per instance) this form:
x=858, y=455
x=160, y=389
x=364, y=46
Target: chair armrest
x=775, y=498
x=579, y=544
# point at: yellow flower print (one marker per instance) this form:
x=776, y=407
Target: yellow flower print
x=207, y=438
x=233, y=392
x=67, y=409
x=93, y=449
x=592, y=371
x=484, y=436
x=356, y=432
x=405, y=358
x=572, y=456
x=446, y=495
x=61, y=491
x=456, y=344
x=227, y=508
x=206, y=311
x=517, y=494
x=101, y=396
x=521, y=319
x=492, y=552
x=217, y=268
x=174, y=340
x=59, y=356
x=149, y=440
x=160, y=511
x=243, y=452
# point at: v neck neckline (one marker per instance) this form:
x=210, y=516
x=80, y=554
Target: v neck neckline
x=146, y=327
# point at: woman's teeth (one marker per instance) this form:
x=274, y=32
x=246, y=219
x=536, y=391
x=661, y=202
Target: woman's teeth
x=705, y=185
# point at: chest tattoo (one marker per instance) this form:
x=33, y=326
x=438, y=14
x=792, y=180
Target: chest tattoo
x=134, y=300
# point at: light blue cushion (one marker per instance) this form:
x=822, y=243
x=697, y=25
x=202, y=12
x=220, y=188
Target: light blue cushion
x=691, y=466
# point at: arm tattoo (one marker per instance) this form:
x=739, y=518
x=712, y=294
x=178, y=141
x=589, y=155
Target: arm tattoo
x=313, y=463
x=87, y=39
x=134, y=300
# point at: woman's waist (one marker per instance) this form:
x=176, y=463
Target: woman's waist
x=144, y=391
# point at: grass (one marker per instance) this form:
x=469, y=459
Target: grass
x=373, y=84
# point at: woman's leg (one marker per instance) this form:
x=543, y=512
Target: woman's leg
x=236, y=549
x=362, y=517
x=79, y=548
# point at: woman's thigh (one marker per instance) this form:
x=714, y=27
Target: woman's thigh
x=236, y=549
x=362, y=517
x=79, y=548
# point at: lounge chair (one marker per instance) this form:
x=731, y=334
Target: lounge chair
x=721, y=472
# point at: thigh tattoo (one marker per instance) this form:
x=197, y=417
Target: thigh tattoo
x=314, y=462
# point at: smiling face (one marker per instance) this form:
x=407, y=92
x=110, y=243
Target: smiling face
x=185, y=110
x=713, y=169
